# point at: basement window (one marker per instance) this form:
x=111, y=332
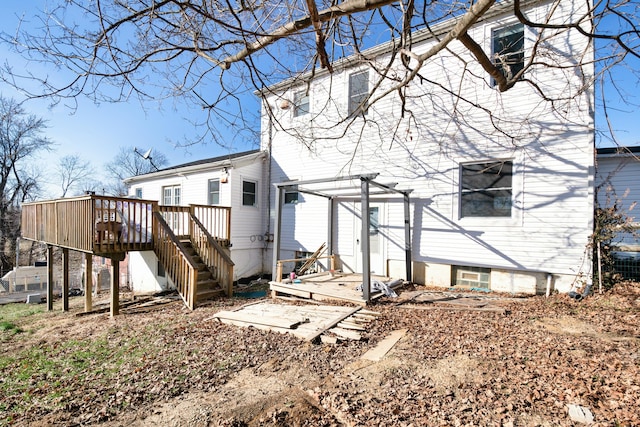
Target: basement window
x=471, y=277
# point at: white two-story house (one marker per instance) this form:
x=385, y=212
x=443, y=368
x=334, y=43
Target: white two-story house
x=501, y=183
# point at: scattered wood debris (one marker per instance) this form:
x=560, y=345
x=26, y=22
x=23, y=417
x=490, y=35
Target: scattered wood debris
x=424, y=300
x=139, y=305
x=328, y=323
x=378, y=352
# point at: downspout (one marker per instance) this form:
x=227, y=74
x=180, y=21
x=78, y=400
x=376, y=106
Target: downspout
x=267, y=233
x=549, y=277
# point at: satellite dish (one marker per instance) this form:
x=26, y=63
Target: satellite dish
x=147, y=154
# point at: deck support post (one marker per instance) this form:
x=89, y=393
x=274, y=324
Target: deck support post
x=277, y=233
x=407, y=236
x=49, y=278
x=115, y=284
x=330, y=227
x=364, y=239
x=65, y=279
x=88, y=282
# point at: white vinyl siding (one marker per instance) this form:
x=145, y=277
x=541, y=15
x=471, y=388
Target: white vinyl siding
x=248, y=226
x=551, y=210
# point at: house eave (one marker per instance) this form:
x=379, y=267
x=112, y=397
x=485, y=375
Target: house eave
x=500, y=8
x=195, y=168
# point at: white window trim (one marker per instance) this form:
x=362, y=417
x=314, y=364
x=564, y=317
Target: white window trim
x=172, y=194
x=517, y=192
x=488, y=37
x=257, y=183
x=300, y=198
x=293, y=101
x=349, y=73
x=209, y=191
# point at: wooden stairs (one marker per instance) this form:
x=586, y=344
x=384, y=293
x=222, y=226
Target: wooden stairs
x=207, y=287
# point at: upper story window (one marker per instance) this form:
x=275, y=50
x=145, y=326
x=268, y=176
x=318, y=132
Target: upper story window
x=213, y=195
x=249, y=195
x=300, y=103
x=291, y=195
x=358, y=92
x=171, y=195
x=508, y=49
x=486, y=189
x=138, y=193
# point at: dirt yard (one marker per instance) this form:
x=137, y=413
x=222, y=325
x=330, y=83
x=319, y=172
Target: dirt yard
x=529, y=364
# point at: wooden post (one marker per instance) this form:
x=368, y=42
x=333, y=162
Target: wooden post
x=278, y=277
x=364, y=236
x=88, y=284
x=65, y=279
x=115, y=284
x=277, y=230
x=408, y=259
x=49, y=278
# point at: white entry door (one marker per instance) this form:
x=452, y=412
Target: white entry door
x=376, y=239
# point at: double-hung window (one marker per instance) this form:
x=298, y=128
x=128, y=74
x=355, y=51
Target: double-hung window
x=358, y=92
x=300, y=103
x=249, y=195
x=171, y=195
x=486, y=189
x=508, y=49
x=213, y=195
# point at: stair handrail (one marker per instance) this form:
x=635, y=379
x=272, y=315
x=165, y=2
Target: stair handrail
x=178, y=264
x=217, y=261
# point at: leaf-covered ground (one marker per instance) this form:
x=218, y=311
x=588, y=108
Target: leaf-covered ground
x=174, y=367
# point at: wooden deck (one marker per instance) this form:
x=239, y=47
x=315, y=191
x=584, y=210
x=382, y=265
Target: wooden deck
x=326, y=286
x=112, y=226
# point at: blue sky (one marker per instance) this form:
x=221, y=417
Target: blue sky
x=96, y=132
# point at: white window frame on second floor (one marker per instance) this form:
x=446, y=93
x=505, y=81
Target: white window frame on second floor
x=248, y=195
x=138, y=191
x=358, y=92
x=507, y=49
x=213, y=191
x=171, y=195
x=300, y=103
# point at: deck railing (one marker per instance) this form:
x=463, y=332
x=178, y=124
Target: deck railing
x=213, y=255
x=91, y=223
x=179, y=266
x=215, y=219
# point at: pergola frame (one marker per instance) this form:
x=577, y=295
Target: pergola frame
x=365, y=193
